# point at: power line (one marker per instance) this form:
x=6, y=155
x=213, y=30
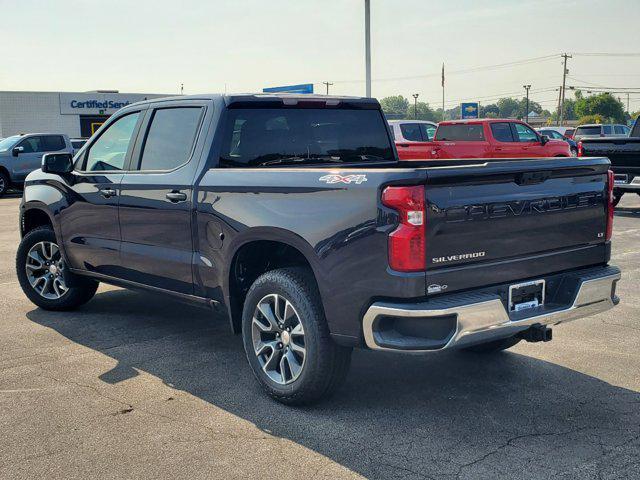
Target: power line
x=515, y=63
x=603, y=54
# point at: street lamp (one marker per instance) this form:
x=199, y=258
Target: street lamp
x=415, y=105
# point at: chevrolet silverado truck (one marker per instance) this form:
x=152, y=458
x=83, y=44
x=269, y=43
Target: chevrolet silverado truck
x=21, y=154
x=294, y=217
x=624, y=154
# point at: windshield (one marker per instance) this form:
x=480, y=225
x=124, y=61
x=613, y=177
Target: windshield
x=8, y=142
x=285, y=136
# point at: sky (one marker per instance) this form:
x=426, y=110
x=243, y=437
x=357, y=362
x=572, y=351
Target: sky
x=244, y=45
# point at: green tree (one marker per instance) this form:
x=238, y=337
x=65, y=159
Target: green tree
x=603, y=104
x=587, y=119
x=395, y=105
x=509, y=107
x=424, y=112
x=489, y=111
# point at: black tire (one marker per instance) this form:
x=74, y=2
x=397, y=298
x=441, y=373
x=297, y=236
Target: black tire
x=574, y=151
x=495, y=346
x=5, y=183
x=81, y=292
x=325, y=365
x=616, y=198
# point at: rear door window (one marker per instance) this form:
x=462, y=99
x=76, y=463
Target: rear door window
x=53, y=143
x=502, y=132
x=524, y=133
x=469, y=132
x=607, y=129
x=428, y=131
x=170, y=138
x=411, y=132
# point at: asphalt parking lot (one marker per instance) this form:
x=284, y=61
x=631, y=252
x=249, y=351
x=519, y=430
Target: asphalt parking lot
x=137, y=386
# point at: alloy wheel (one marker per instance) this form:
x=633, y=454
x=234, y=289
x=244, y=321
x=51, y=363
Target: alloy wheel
x=278, y=339
x=45, y=270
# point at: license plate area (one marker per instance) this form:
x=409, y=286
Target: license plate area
x=527, y=295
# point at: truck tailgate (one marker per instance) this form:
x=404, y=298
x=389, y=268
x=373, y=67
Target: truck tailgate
x=516, y=219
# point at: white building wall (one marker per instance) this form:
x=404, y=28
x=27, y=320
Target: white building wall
x=24, y=112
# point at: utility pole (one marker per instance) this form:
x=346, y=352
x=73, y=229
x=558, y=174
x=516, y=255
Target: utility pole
x=564, y=82
x=443, y=92
x=415, y=106
x=327, y=84
x=558, y=109
x=526, y=113
x=367, y=45
x=181, y=88
x=628, y=111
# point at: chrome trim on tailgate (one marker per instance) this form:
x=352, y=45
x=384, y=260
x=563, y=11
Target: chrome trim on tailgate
x=487, y=320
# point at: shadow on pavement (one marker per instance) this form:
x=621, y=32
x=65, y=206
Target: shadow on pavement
x=438, y=416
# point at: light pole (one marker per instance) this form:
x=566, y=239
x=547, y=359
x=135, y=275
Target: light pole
x=367, y=46
x=415, y=105
x=526, y=113
x=328, y=84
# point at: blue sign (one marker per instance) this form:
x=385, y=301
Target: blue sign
x=469, y=110
x=302, y=88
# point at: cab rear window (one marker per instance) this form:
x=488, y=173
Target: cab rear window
x=588, y=131
x=460, y=132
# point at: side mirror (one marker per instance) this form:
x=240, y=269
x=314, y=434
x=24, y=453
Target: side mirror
x=544, y=139
x=57, y=163
x=17, y=151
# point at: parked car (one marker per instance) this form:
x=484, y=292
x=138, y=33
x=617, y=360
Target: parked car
x=77, y=144
x=293, y=215
x=493, y=138
x=624, y=154
x=555, y=135
x=597, y=130
x=566, y=132
x=21, y=154
x=412, y=138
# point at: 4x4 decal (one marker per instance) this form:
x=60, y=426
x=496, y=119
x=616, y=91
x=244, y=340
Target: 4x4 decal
x=336, y=178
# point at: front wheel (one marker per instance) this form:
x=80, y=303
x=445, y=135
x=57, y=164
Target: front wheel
x=286, y=338
x=4, y=183
x=43, y=275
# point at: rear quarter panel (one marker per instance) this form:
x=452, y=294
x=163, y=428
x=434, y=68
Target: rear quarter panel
x=341, y=228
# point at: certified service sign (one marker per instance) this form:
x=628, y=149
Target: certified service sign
x=98, y=103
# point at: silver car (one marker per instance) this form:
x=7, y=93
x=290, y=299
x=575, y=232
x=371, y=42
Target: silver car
x=596, y=130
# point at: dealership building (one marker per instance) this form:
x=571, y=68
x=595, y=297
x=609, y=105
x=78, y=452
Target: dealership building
x=78, y=114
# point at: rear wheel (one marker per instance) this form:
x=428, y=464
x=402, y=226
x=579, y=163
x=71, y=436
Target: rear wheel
x=43, y=274
x=495, y=346
x=574, y=151
x=286, y=338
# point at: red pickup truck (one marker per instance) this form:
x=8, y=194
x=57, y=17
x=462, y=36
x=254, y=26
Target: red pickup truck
x=486, y=138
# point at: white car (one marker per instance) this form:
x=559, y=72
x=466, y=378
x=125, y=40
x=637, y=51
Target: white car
x=413, y=130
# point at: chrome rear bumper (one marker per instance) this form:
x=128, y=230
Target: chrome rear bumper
x=482, y=318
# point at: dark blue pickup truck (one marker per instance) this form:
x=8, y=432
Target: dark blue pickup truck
x=293, y=215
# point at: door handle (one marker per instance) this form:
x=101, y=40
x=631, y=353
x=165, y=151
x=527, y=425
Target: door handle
x=403, y=145
x=107, y=192
x=176, y=196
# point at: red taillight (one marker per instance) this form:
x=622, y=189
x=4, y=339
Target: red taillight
x=580, y=151
x=610, y=207
x=407, y=243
